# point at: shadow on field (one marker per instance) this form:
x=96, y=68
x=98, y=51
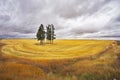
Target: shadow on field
x=47, y=43
x=37, y=43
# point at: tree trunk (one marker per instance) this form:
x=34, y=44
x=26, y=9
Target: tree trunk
x=41, y=42
x=52, y=41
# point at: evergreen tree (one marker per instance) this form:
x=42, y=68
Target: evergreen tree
x=41, y=34
x=50, y=33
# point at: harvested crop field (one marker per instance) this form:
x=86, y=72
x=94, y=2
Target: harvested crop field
x=63, y=60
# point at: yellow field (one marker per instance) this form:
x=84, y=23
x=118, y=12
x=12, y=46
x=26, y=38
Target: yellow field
x=61, y=49
x=63, y=60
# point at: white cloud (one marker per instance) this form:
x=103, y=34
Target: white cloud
x=72, y=18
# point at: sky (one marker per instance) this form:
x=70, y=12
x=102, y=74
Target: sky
x=72, y=18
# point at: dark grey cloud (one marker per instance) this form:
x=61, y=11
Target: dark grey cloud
x=72, y=18
x=4, y=18
x=76, y=8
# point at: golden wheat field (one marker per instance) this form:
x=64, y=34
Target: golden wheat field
x=25, y=59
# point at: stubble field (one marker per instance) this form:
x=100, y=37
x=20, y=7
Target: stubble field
x=25, y=59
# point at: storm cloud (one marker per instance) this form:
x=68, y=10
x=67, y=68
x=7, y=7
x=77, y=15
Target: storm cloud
x=72, y=18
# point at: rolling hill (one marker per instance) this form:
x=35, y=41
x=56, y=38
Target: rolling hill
x=63, y=60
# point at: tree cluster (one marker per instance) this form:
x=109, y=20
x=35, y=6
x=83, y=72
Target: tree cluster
x=49, y=34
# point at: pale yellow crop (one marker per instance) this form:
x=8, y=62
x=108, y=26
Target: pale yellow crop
x=61, y=49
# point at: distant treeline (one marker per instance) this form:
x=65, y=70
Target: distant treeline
x=49, y=34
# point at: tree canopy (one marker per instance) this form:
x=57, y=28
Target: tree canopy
x=49, y=34
x=41, y=34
